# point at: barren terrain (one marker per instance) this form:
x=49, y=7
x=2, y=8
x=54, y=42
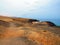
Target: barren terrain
x=21, y=31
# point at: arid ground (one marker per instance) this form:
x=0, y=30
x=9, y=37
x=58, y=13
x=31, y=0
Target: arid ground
x=23, y=31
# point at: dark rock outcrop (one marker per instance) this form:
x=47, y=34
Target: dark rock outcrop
x=33, y=20
x=48, y=23
x=43, y=23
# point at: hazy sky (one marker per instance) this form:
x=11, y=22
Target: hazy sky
x=39, y=9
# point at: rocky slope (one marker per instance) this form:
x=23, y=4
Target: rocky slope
x=23, y=31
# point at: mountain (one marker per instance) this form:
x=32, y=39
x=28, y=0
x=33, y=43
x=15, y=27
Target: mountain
x=24, y=31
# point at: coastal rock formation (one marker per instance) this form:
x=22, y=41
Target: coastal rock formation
x=45, y=23
x=25, y=20
x=22, y=31
x=48, y=23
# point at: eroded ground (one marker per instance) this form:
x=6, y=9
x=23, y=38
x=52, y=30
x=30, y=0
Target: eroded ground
x=15, y=32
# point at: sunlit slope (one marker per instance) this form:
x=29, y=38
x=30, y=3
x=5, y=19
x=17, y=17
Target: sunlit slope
x=16, y=32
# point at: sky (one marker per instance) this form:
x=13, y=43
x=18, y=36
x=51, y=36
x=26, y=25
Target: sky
x=48, y=10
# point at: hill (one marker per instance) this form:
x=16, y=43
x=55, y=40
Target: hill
x=24, y=31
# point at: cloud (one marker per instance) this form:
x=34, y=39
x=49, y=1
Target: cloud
x=28, y=8
x=21, y=6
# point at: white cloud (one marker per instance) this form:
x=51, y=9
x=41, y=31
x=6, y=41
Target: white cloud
x=21, y=7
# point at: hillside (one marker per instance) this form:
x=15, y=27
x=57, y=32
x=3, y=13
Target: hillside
x=23, y=31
